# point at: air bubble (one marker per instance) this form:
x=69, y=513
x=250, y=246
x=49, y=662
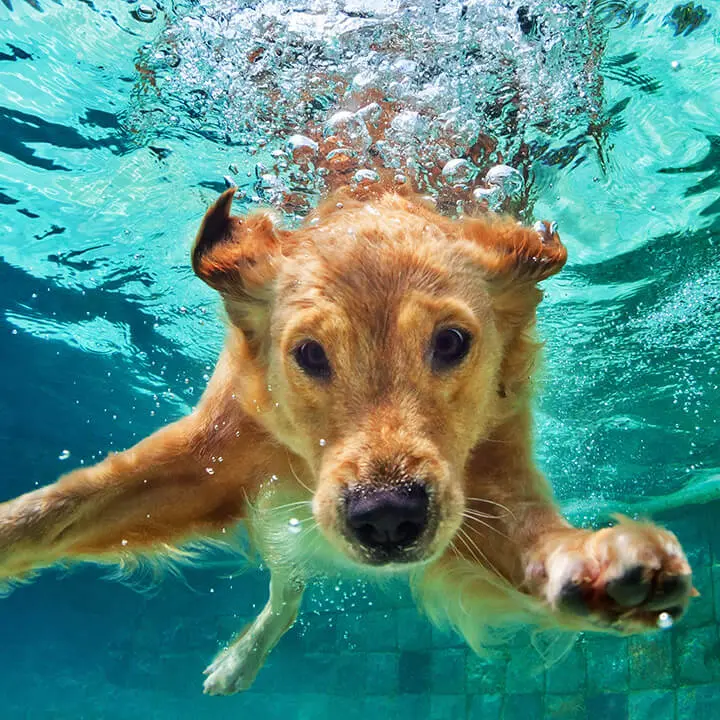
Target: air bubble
x=459, y=172
x=144, y=13
x=301, y=148
x=665, y=621
x=371, y=113
x=493, y=196
x=64, y=455
x=507, y=178
x=349, y=129
x=366, y=177
x=408, y=125
x=341, y=159
x=294, y=526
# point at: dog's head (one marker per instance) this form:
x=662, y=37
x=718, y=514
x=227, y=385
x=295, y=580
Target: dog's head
x=386, y=343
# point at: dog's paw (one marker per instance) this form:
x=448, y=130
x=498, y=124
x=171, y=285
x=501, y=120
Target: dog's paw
x=235, y=668
x=632, y=577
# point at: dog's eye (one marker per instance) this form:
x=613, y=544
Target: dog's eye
x=449, y=348
x=312, y=359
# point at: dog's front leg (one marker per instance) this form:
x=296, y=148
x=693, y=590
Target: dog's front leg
x=235, y=668
x=631, y=577
x=187, y=481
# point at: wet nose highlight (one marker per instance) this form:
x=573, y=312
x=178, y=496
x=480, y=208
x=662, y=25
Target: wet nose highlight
x=387, y=519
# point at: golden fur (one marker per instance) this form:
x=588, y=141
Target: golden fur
x=371, y=278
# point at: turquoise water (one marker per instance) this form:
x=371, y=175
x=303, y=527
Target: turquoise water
x=105, y=335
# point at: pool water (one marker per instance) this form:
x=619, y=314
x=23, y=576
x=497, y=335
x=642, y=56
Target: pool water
x=116, y=130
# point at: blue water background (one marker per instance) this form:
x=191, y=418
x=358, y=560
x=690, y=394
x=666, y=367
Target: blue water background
x=105, y=336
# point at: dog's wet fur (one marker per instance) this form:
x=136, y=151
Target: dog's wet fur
x=377, y=373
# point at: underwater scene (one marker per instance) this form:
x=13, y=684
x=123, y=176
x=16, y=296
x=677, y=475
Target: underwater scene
x=120, y=124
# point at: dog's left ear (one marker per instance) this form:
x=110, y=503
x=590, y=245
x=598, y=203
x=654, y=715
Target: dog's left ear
x=511, y=254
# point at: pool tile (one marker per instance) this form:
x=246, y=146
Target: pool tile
x=447, y=707
x=608, y=706
x=696, y=533
x=321, y=633
x=525, y=673
x=314, y=673
x=414, y=631
x=351, y=673
x=697, y=655
x=568, y=675
x=651, y=705
x=411, y=707
x=485, y=707
x=381, y=629
x=702, y=609
x=446, y=638
x=312, y=705
x=716, y=590
x=523, y=706
x=350, y=632
x=698, y=703
x=651, y=661
x=565, y=707
x=607, y=664
x=384, y=673
x=448, y=671
x=485, y=674
x=414, y=672
x=349, y=707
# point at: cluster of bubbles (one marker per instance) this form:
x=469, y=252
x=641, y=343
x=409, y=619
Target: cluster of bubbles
x=452, y=96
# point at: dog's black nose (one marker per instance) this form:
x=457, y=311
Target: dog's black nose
x=387, y=519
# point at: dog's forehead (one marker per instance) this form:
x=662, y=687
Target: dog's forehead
x=367, y=255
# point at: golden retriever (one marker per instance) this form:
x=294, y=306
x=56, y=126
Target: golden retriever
x=371, y=408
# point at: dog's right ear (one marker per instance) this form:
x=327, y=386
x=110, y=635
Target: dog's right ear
x=238, y=257
x=234, y=255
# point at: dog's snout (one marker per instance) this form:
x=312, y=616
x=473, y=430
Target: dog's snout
x=387, y=520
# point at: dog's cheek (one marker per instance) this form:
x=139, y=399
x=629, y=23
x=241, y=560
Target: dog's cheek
x=468, y=413
x=299, y=412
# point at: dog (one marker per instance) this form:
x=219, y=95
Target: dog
x=371, y=410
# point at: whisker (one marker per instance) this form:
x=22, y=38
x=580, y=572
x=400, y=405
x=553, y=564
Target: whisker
x=487, y=525
x=461, y=537
x=477, y=553
x=477, y=513
x=310, y=553
x=309, y=528
x=455, y=550
x=492, y=502
x=287, y=506
x=482, y=554
x=494, y=440
x=292, y=470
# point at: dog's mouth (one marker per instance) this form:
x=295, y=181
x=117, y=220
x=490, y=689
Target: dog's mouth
x=389, y=524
